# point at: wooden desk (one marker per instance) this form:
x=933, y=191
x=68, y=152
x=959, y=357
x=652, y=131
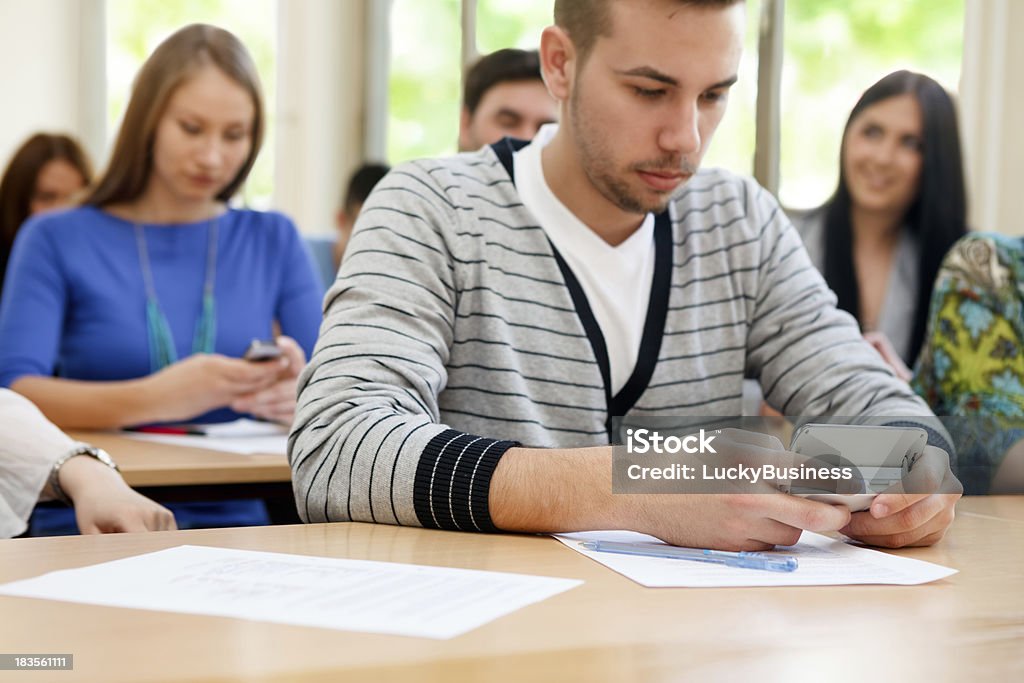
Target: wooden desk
x=1002, y=507
x=969, y=626
x=145, y=463
x=180, y=473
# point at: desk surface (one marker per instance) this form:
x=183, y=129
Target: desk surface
x=145, y=463
x=970, y=625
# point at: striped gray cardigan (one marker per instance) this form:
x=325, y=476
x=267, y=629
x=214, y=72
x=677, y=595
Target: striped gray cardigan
x=454, y=331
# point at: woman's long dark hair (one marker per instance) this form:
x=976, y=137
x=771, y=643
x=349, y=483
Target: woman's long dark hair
x=938, y=215
x=19, y=182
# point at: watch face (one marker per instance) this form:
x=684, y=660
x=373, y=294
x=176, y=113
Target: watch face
x=105, y=458
x=99, y=454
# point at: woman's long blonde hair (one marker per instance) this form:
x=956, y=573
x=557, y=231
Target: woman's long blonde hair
x=171, y=64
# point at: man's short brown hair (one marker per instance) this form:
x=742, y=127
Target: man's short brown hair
x=585, y=20
x=504, y=66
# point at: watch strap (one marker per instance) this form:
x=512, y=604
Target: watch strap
x=78, y=449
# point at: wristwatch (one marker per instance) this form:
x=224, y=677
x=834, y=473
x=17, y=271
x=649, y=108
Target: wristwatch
x=78, y=449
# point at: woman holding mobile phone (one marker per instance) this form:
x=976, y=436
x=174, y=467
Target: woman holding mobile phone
x=144, y=299
x=137, y=306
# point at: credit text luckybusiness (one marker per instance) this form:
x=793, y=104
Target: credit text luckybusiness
x=644, y=441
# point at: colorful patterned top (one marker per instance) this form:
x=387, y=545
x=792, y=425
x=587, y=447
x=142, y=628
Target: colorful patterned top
x=972, y=364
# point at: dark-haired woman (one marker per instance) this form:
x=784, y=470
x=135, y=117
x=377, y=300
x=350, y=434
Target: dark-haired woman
x=44, y=173
x=899, y=207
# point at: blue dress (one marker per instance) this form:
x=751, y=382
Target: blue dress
x=74, y=300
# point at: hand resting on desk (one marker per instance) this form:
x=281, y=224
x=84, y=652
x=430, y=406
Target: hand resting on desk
x=105, y=504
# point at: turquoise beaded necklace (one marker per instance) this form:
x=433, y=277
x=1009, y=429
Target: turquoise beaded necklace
x=161, y=342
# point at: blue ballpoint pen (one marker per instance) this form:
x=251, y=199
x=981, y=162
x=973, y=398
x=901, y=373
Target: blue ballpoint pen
x=743, y=560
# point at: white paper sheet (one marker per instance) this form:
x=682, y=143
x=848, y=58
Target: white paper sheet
x=349, y=595
x=823, y=562
x=249, y=445
x=241, y=428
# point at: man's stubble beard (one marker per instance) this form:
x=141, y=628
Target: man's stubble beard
x=595, y=158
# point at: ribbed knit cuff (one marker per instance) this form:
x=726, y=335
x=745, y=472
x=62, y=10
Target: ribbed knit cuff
x=453, y=481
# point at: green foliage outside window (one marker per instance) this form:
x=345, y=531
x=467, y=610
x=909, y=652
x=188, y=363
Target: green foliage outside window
x=423, y=92
x=425, y=83
x=834, y=49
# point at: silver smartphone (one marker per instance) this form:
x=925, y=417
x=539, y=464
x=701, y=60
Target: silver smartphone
x=881, y=456
x=261, y=351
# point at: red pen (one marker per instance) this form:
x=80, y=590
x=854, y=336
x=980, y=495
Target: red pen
x=157, y=429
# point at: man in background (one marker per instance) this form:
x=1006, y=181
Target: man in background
x=362, y=181
x=504, y=95
x=326, y=251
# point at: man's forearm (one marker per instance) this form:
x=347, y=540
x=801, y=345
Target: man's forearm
x=544, y=491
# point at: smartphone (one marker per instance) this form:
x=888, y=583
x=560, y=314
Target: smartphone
x=261, y=351
x=881, y=456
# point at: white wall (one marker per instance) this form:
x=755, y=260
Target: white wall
x=48, y=57
x=320, y=107
x=53, y=75
x=992, y=111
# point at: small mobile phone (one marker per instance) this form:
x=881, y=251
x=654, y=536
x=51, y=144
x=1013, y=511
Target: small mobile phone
x=881, y=456
x=261, y=351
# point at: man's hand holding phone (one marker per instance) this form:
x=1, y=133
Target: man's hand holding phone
x=915, y=511
x=917, y=503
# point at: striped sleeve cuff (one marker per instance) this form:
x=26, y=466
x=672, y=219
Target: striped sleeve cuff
x=453, y=480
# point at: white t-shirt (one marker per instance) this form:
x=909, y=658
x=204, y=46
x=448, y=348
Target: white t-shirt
x=616, y=280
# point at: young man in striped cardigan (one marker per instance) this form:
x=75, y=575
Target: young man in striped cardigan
x=498, y=308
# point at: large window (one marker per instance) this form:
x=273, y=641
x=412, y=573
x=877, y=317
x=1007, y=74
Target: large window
x=423, y=92
x=426, y=72
x=136, y=27
x=511, y=23
x=834, y=50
